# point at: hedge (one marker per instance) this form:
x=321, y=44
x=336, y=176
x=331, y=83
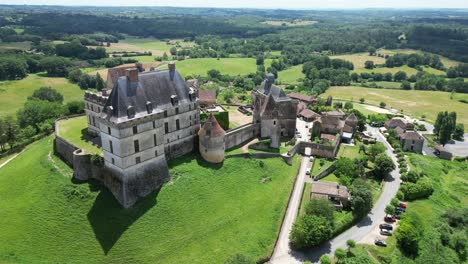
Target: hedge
x=222, y=117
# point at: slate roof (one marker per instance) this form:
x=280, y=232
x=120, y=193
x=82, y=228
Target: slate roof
x=114, y=73
x=155, y=87
x=275, y=91
x=400, y=131
x=396, y=122
x=337, y=113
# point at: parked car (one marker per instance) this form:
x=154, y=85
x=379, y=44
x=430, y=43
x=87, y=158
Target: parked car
x=385, y=232
x=390, y=219
x=381, y=243
x=386, y=226
x=308, y=171
x=402, y=205
x=311, y=158
x=397, y=216
x=400, y=210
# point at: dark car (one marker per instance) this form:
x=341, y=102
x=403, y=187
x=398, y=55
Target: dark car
x=390, y=219
x=380, y=243
x=386, y=226
x=385, y=232
x=398, y=209
x=397, y=216
x=402, y=205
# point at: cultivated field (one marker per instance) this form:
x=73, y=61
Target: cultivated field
x=13, y=94
x=416, y=103
x=206, y=214
x=231, y=66
x=359, y=59
x=5, y=46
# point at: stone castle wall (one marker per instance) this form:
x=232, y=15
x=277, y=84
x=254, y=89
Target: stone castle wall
x=235, y=137
x=315, y=149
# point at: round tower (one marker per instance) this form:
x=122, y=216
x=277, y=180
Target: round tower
x=211, y=140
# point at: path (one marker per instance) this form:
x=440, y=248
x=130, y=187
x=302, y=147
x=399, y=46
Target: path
x=10, y=159
x=283, y=254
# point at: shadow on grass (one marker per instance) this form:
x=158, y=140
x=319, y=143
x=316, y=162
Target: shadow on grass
x=200, y=161
x=110, y=220
x=85, y=136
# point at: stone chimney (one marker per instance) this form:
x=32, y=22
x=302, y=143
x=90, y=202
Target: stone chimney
x=270, y=80
x=171, y=67
x=139, y=66
x=132, y=74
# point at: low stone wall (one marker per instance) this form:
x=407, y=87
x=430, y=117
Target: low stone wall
x=64, y=150
x=239, y=135
x=316, y=149
x=325, y=172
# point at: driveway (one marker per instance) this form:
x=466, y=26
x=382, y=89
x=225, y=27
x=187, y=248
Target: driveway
x=357, y=232
x=282, y=252
x=458, y=148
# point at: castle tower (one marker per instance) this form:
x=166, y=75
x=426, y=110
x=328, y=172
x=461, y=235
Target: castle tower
x=211, y=140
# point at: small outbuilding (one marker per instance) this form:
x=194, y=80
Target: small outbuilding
x=443, y=153
x=335, y=193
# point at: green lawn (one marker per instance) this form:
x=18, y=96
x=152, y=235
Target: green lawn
x=359, y=59
x=409, y=71
x=330, y=178
x=13, y=94
x=349, y=151
x=204, y=215
x=305, y=197
x=230, y=66
x=389, y=85
x=74, y=130
x=291, y=75
x=317, y=168
x=156, y=46
x=415, y=103
x=450, y=190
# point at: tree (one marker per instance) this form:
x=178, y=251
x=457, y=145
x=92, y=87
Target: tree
x=259, y=60
x=165, y=57
x=75, y=107
x=310, y=231
x=173, y=51
x=361, y=198
x=399, y=76
x=345, y=168
x=383, y=165
x=459, y=131
x=390, y=209
x=11, y=130
x=340, y=255
x=407, y=236
x=321, y=207
x=445, y=133
x=55, y=66
x=371, y=51
x=36, y=112
x=369, y=64
x=405, y=85
x=99, y=82
x=382, y=104
x=361, y=125
x=354, y=77
x=395, y=202
x=46, y=94
x=375, y=150
x=214, y=74
x=362, y=100
x=325, y=259
x=74, y=75
x=348, y=106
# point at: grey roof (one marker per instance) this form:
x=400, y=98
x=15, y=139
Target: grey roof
x=155, y=87
x=275, y=91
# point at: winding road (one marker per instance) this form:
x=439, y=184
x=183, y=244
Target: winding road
x=283, y=254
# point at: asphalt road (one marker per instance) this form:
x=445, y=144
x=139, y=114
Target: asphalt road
x=284, y=254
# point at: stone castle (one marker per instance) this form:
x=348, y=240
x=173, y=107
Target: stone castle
x=148, y=118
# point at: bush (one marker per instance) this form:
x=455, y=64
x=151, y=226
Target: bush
x=420, y=190
x=321, y=207
x=310, y=231
x=403, y=170
x=411, y=176
x=75, y=107
x=400, y=196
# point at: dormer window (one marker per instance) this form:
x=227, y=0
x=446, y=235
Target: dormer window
x=149, y=107
x=174, y=100
x=131, y=112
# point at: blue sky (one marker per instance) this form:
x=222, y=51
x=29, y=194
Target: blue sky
x=290, y=4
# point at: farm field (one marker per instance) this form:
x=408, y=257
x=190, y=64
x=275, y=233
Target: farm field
x=13, y=94
x=156, y=46
x=231, y=66
x=449, y=183
x=416, y=103
x=74, y=130
x=206, y=214
x=295, y=23
x=409, y=71
x=359, y=59
x=26, y=45
x=446, y=61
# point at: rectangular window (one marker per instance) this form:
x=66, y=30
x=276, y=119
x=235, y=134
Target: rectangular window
x=177, y=110
x=154, y=124
x=165, y=113
x=92, y=107
x=190, y=117
x=156, y=153
x=166, y=127
x=189, y=107
x=99, y=109
x=94, y=121
x=111, y=147
x=177, y=124
x=136, y=144
x=137, y=160
x=112, y=160
x=135, y=130
x=154, y=138
x=109, y=130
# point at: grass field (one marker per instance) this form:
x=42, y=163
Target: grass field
x=409, y=71
x=291, y=75
x=295, y=23
x=230, y=66
x=26, y=45
x=204, y=215
x=415, y=103
x=450, y=190
x=156, y=46
x=13, y=94
x=74, y=130
x=359, y=59
x=389, y=85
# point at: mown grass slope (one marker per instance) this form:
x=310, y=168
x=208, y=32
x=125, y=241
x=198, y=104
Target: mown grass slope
x=204, y=215
x=74, y=130
x=229, y=66
x=416, y=103
x=13, y=94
